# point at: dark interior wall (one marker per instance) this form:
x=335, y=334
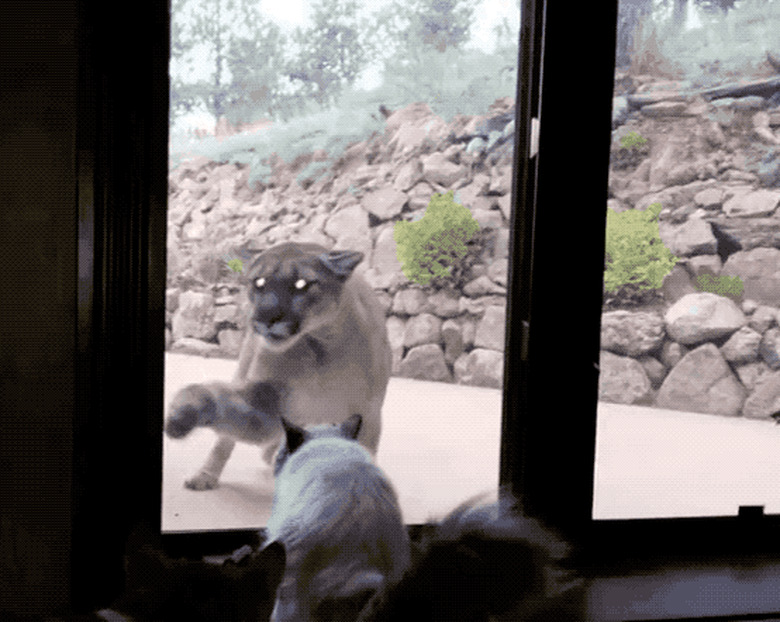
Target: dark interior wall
x=38, y=82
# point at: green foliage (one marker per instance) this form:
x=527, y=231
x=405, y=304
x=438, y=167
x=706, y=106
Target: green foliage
x=722, y=285
x=430, y=248
x=236, y=265
x=632, y=141
x=635, y=254
x=331, y=130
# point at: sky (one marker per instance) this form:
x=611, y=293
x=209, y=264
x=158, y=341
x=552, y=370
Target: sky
x=292, y=13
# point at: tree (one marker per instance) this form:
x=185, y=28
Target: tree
x=404, y=27
x=630, y=13
x=257, y=68
x=332, y=52
x=228, y=53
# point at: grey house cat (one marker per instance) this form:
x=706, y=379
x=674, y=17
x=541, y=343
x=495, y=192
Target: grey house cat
x=338, y=517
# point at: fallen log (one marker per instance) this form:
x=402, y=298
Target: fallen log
x=765, y=88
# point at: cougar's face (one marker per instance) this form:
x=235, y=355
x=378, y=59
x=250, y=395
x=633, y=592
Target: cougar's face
x=293, y=287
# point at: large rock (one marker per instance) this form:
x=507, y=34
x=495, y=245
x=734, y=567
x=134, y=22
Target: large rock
x=693, y=237
x=631, y=333
x=482, y=286
x=196, y=347
x=749, y=233
x=408, y=175
x=742, y=346
x=452, y=336
x=421, y=329
x=439, y=170
x=395, y=335
x=753, y=203
x=762, y=318
x=385, y=267
x=481, y=368
x=194, y=317
x=350, y=228
x=444, y=303
x=701, y=317
x=769, y=348
x=674, y=196
x=410, y=301
x=385, y=203
x=410, y=136
x=425, y=362
x=702, y=382
x=677, y=283
x=759, y=270
x=622, y=380
x=765, y=399
x=491, y=329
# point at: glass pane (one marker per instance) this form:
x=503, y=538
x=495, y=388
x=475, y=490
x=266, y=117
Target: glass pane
x=689, y=379
x=343, y=124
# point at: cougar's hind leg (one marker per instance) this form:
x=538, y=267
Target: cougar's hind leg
x=208, y=475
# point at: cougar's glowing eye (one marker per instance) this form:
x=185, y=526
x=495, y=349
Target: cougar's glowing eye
x=260, y=282
x=300, y=284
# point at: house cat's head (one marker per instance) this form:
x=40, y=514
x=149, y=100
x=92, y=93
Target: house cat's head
x=294, y=288
x=296, y=436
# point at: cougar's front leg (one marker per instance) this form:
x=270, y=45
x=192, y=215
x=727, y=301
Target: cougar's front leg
x=208, y=475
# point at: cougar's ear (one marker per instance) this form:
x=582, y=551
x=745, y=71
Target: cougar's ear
x=341, y=263
x=295, y=435
x=351, y=426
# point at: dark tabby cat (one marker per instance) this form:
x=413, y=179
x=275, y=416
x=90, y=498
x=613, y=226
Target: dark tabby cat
x=338, y=517
x=483, y=563
x=163, y=589
x=316, y=346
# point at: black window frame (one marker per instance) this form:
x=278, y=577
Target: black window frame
x=563, y=433
x=566, y=63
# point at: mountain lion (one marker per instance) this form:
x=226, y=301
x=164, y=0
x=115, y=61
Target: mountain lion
x=315, y=351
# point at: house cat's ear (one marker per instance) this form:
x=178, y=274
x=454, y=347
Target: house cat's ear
x=351, y=426
x=295, y=435
x=341, y=263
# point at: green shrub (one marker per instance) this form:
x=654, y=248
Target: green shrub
x=236, y=265
x=635, y=254
x=632, y=141
x=432, y=247
x=722, y=285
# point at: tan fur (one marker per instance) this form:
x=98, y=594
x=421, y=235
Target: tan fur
x=337, y=366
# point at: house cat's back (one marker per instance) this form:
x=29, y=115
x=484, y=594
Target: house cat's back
x=338, y=517
x=333, y=485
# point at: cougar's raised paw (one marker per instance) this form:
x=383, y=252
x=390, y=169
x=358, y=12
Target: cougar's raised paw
x=192, y=406
x=201, y=481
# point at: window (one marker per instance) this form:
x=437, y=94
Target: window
x=556, y=462
x=549, y=433
x=685, y=399
x=329, y=122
